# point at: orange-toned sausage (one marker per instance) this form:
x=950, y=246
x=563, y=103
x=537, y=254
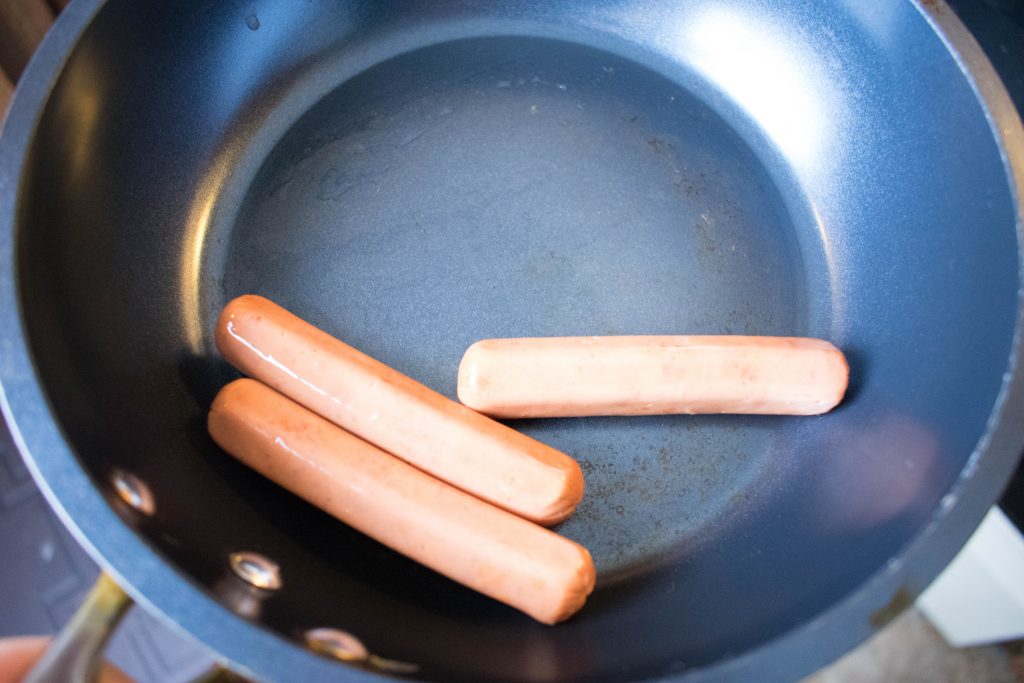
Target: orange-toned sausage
x=398, y=414
x=576, y=376
x=481, y=546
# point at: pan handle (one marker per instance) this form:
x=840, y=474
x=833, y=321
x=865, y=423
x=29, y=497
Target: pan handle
x=76, y=653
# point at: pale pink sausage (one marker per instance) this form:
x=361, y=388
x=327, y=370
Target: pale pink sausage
x=481, y=546
x=398, y=414
x=577, y=376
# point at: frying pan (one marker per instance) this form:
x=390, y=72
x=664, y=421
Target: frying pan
x=412, y=177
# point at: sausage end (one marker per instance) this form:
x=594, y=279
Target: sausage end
x=471, y=384
x=568, y=498
x=580, y=587
x=238, y=311
x=839, y=370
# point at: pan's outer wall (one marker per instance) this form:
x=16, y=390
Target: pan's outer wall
x=158, y=587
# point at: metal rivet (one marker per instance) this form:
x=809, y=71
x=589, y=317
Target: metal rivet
x=133, y=491
x=338, y=644
x=256, y=570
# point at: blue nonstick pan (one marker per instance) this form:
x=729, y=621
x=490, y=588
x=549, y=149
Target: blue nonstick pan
x=415, y=176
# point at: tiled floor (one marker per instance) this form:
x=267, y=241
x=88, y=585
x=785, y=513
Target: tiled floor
x=910, y=650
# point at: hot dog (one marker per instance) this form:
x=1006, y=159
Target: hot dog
x=398, y=414
x=654, y=375
x=481, y=546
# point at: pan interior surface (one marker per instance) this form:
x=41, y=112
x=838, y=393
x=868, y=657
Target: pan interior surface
x=520, y=188
x=414, y=177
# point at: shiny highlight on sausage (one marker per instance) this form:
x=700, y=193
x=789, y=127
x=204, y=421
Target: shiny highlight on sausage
x=481, y=546
x=397, y=413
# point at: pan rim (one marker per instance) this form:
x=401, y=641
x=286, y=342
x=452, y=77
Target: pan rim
x=258, y=652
